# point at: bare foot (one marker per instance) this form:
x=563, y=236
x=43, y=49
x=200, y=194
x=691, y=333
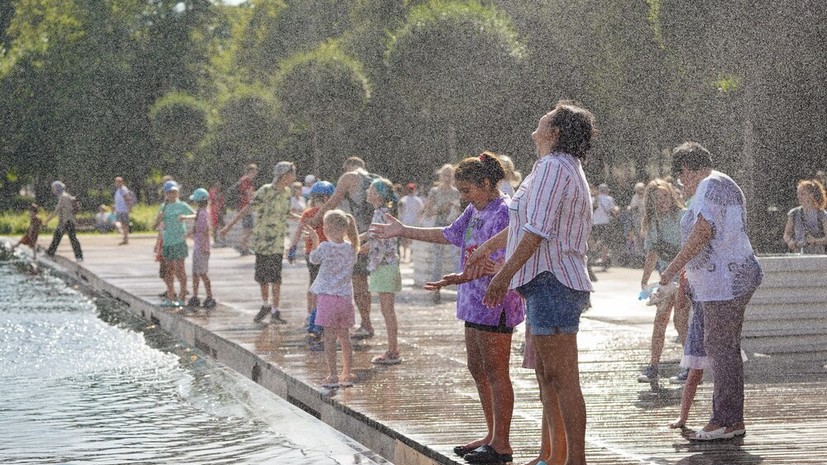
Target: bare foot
x=346, y=379
x=474, y=444
x=679, y=423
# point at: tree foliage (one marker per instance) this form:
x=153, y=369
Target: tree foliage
x=286, y=79
x=322, y=92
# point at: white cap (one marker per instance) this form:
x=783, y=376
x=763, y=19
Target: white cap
x=309, y=179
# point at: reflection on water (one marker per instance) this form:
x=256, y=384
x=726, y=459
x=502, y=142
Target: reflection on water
x=83, y=382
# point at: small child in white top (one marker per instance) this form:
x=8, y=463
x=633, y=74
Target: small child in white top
x=334, y=290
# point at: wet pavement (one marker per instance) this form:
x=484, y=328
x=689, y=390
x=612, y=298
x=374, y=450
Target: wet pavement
x=416, y=412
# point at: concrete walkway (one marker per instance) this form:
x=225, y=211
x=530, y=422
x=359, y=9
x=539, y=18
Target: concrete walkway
x=416, y=412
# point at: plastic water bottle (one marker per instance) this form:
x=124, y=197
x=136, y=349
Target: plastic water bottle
x=647, y=291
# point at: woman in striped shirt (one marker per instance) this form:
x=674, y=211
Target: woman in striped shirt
x=550, y=220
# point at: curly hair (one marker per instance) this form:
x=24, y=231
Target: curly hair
x=576, y=126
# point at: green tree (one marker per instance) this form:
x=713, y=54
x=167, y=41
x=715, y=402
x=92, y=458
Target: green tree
x=81, y=77
x=249, y=129
x=278, y=29
x=322, y=93
x=179, y=122
x=454, y=62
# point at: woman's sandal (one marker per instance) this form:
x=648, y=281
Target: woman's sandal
x=712, y=435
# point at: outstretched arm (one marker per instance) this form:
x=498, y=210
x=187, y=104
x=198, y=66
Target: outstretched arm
x=394, y=228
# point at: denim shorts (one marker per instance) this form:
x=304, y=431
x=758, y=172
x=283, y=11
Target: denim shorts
x=551, y=307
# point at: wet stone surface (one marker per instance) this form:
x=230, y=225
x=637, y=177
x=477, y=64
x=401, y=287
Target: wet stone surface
x=431, y=400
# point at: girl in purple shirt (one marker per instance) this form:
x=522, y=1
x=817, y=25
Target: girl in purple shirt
x=488, y=330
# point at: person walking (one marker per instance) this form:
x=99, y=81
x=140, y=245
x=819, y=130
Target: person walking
x=550, y=219
x=124, y=201
x=65, y=213
x=271, y=203
x=722, y=272
x=246, y=188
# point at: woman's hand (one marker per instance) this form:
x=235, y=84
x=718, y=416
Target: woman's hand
x=392, y=228
x=478, y=257
x=497, y=289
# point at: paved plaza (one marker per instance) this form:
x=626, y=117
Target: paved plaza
x=419, y=410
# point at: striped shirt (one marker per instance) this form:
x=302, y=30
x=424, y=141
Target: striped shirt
x=554, y=203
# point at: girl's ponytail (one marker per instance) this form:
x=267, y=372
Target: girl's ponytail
x=477, y=169
x=352, y=232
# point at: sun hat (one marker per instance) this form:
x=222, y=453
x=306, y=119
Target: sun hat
x=200, y=195
x=170, y=186
x=282, y=168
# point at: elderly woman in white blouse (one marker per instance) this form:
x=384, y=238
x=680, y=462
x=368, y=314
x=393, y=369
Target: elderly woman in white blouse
x=723, y=273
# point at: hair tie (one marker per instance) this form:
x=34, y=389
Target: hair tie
x=482, y=157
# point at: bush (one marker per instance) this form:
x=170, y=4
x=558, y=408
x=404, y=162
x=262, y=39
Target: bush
x=14, y=223
x=142, y=217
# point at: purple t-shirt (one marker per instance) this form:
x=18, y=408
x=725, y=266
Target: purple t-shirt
x=471, y=229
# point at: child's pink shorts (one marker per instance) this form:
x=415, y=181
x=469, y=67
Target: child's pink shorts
x=335, y=311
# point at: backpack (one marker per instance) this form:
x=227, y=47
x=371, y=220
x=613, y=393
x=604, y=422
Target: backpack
x=75, y=205
x=129, y=198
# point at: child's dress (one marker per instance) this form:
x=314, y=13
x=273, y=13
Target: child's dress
x=333, y=286
x=383, y=260
x=470, y=230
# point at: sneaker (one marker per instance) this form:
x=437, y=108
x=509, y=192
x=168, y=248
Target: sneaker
x=681, y=377
x=209, y=302
x=648, y=375
x=263, y=311
x=275, y=317
x=194, y=302
x=169, y=303
x=362, y=333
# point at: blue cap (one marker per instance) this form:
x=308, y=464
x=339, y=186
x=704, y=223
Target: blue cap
x=170, y=186
x=322, y=188
x=199, y=195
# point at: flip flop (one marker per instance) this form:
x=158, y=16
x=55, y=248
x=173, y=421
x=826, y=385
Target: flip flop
x=487, y=454
x=462, y=450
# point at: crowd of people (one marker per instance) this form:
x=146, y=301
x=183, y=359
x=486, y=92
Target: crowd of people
x=524, y=246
